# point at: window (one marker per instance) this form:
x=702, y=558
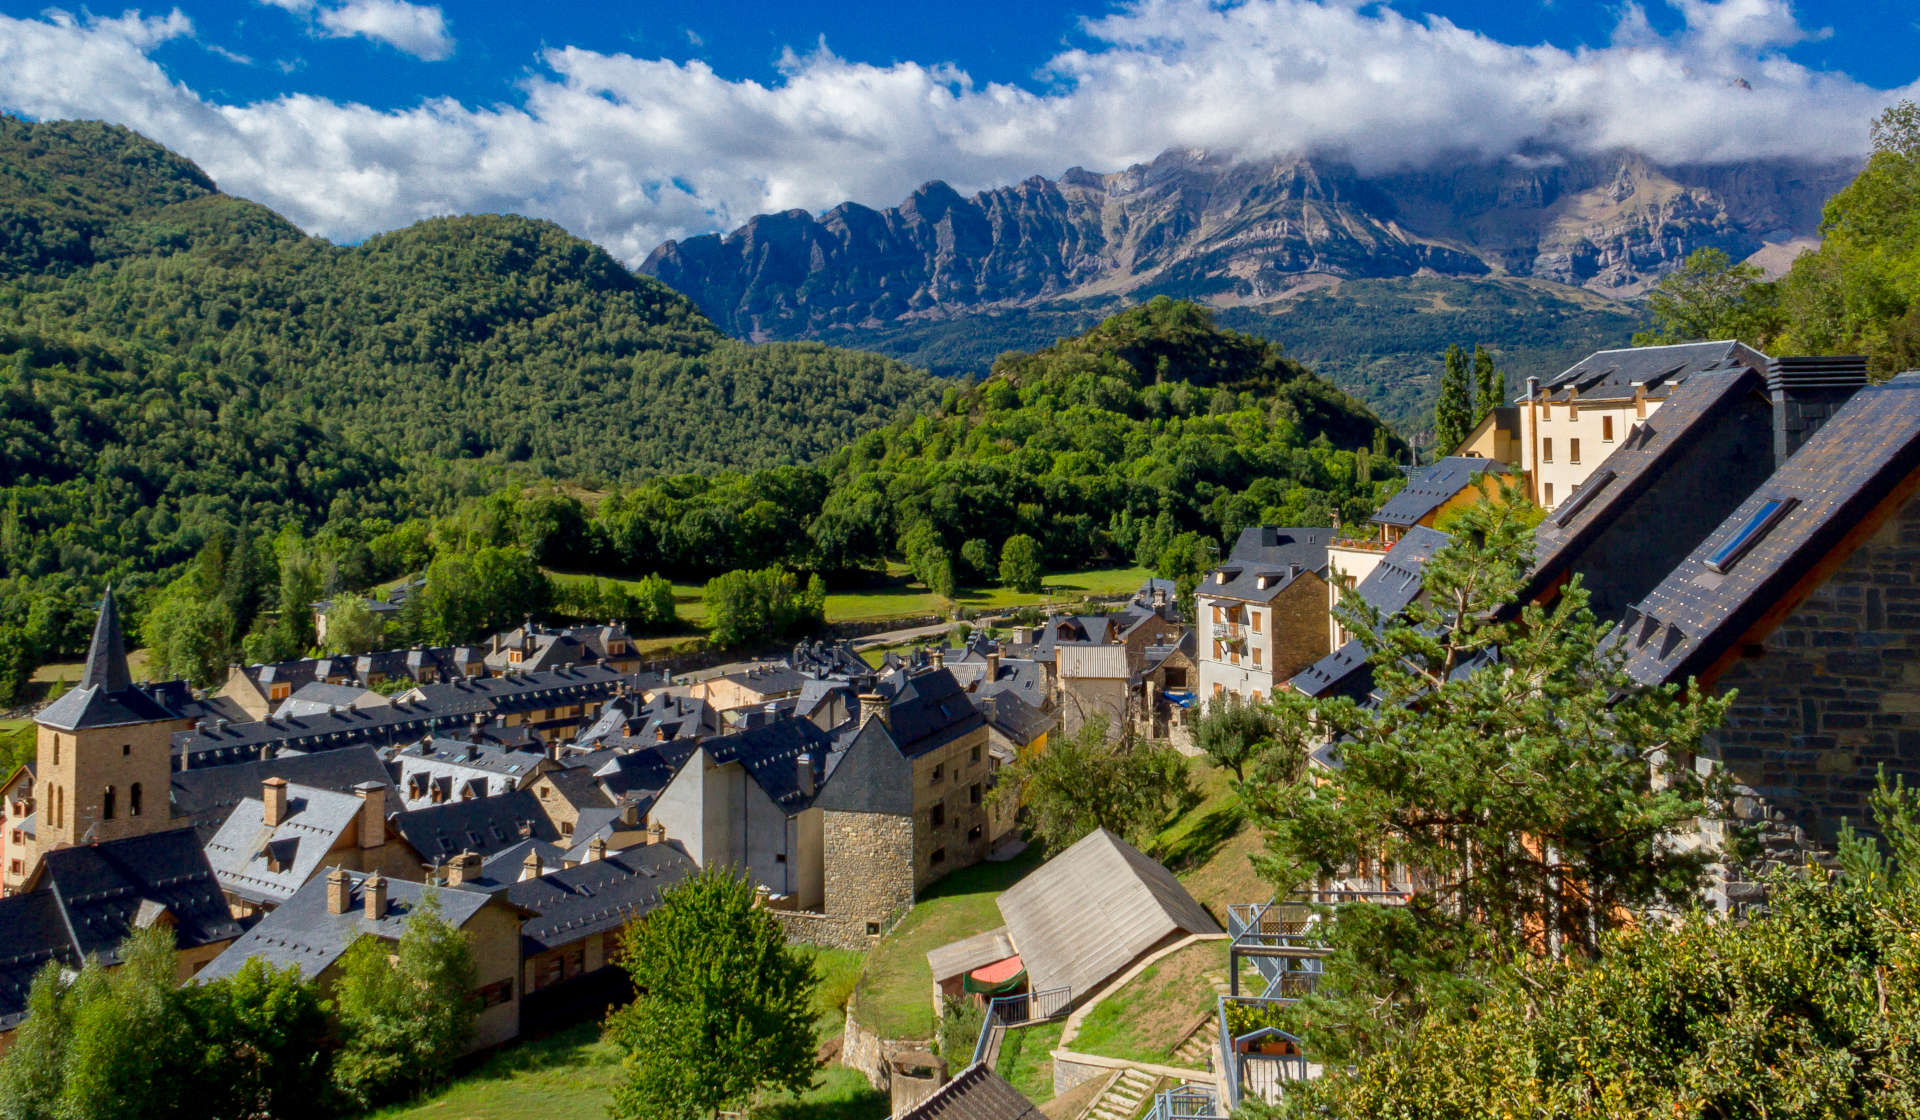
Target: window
x=779, y=857
x=973, y=793
x=56, y=750
x=1546, y=451
x=973, y=755
x=1749, y=534
x=1546, y=495
x=126, y=750
x=1606, y=429
x=873, y=929
x=1573, y=451
x=938, y=857
x=939, y=772
x=493, y=995
x=939, y=815
x=1253, y=617
x=106, y=804
x=1256, y=657
x=973, y=834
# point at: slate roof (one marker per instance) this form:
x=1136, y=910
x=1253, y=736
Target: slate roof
x=929, y=711
x=441, y=751
x=1611, y=374
x=1636, y=464
x=483, y=825
x=106, y=695
x=976, y=1093
x=1014, y=718
x=102, y=889
x=1850, y=465
x=446, y=707
x=505, y=865
x=828, y=659
x=207, y=795
x=317, y=697
x=1089, y=912
x=302, y=934
x=771, y=755
x=767, y=680
x=1395, y=581
x=36, y=932
x=578, y=787
x=1019, y=677
x=1264, y=554
x=245, y=852
x=1433, y=488
x=445, y=662
x=1344, y=672
x=644, y=770
x=598, y=895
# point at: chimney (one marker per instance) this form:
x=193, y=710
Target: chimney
x=339, y=891
x=596, y=850
x=273, y=792
x=939, y=657
x=656, y=833
x=1533, y=388
x=374, y=887
x=630, y=814
x=1160, y=593
x=530, y=867
x=1023, y=635
x=373, y=814
x=496, y=643
x=1639, y=400
x=803, y=774
x=993, y=666
x=1806, y=392
x=464, y=868
x=874, y=705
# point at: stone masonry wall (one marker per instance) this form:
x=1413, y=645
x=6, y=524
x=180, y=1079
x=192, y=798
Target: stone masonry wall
x=1827, y=698
x=868, y=861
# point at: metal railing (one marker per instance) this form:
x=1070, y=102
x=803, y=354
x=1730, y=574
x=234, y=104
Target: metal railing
x=1262, y=1075
x=1185, y=1102
x=1007, y=1012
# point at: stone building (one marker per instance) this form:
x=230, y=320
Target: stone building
x=1804, y=601
x=1262, y=615
x=272, y=845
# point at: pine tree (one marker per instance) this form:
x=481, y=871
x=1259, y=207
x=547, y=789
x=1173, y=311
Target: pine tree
x=1453, y=412
x=1489, y=385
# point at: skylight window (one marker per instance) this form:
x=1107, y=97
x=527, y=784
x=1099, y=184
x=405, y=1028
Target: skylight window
x=1763, y=519
x=1583, y=497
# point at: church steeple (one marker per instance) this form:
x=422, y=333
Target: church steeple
x=106, y=667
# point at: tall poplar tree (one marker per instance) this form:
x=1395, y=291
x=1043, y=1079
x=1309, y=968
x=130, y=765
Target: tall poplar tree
x=1489, y=385
x=1453, y=412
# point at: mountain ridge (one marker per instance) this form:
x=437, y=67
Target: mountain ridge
x=1233, y=233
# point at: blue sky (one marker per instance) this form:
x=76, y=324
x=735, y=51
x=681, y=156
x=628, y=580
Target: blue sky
x=632, y=123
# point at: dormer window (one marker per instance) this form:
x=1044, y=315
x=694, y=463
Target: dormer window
x=1750, y=533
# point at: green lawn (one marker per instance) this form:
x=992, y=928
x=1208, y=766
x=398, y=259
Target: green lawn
x=1210, y=845
x=17, y=738
x=899, y=595
x=1153, y=1014
x=895, y=992
x=838, y=1093
x=839, y=970
x=1026, y=1058
x=566, y=1076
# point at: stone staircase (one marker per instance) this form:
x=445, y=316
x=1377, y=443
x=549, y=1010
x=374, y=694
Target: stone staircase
x=1124, y=1098
x=1200, y=1047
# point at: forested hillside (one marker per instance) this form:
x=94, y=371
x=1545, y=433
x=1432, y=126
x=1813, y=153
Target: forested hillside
x=174, y=362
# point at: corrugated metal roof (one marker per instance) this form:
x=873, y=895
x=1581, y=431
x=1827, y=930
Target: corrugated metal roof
x=1105, y=662
x=1088, y=912
x=969, y=953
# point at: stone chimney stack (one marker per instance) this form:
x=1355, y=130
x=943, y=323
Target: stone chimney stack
x=993, y=666
x=373, y=814
x=273, y=792
x=939, y=657
x=1023, y=635
x=463, y=868
x=656, y=833
x=374, y=887
x=803, y=774
x=530, y=867
x=1160, y=593
x=596, y=849
x=339, y=891
x=875, y=705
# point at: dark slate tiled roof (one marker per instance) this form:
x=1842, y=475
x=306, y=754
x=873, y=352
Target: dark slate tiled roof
x=1265, y=554
x=645, y=769
x=1344, y=672
x=483, y=825
x=245, y=852
x=771, y=755
x=824, y=659
x=206, y=795
x=929, y=711
x=1611, y=374
x=1635, y=465
x=1433, y=488
x=578, y=787
x=1850, y=465
x=1019, y=722
x=1395, y=581
x=106, y=695
x=34, y=932
x=768, y=680
x=976, y=1093
x=449, y=707
x=302, y=934
x=598, y=895
x=465, y=754
x=103, y=887
x=505, y=865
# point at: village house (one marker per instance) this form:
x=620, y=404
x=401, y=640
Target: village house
x=1262, y=615
x=753, y=687
x=313, y=930
x=534, y=648
x=256, y=690
x=272, y=845
x=438, y=769
x=1801, y=602
x=82, y=902
x=206, y=797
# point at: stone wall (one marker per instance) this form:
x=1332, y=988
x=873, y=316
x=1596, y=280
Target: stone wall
x=1825, y=700
x=868, y=863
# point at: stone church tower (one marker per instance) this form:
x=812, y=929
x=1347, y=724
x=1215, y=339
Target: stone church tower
x=105, y=762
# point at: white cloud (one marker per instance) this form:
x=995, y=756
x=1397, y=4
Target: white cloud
x=629, y=151
x=417, y=29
